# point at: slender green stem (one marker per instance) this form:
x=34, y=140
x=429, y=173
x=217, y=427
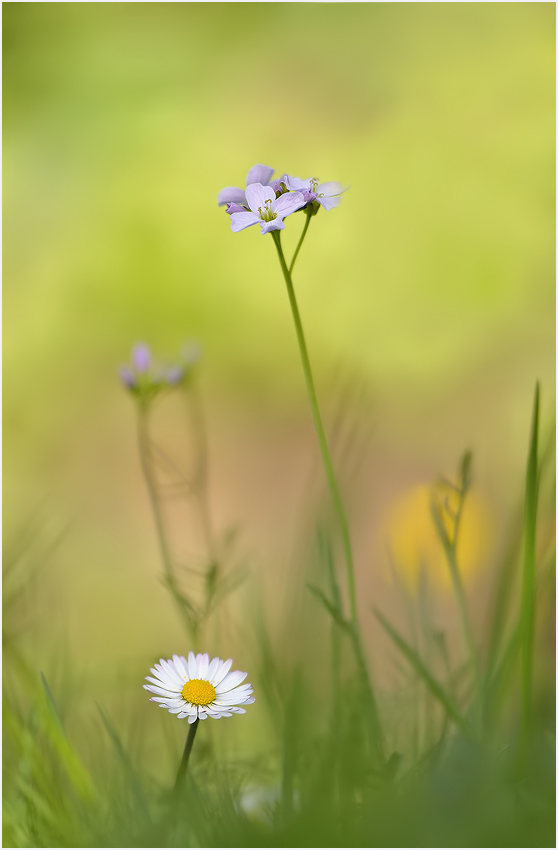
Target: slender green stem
x=527, y=614
x=324, y=450
x=146, y=465
x=334, y=492
x=309, y=215
x=186, y=754
x=450, y=550
x=185, y=607
x=458, y=586
x=374, y=717
x=464, y=613
x=200, y=435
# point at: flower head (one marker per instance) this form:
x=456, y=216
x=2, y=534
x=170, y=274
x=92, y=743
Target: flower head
x=137, y=376
x=231, y=195
x=145, y=379
x=326, y=194
x=265, y=209
x=198, y=688
x=141, y=358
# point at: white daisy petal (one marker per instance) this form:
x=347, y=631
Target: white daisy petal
x=162, y=692
x=192, y=718
x=192, y=666
x=212, y=669
x=157, y=670
x=231, y=681
x=228, y=702
x=180, y=667
x=203, y=666
x=182, y=715
x=161, y=684
x=238, y=710
x=242, y=691
x=203, y=715
x=249, y=701
x=172, y=673
x=232, y=695
x=167, y=670
x=222, y=671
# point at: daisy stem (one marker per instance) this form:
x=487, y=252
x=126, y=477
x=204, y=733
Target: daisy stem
x=186, y=754
x=309, y=214
x=324, y=450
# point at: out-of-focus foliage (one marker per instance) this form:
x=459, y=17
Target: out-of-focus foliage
x=428, y=302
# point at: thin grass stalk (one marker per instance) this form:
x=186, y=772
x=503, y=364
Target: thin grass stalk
x=145, y=452
x=432, y=684
x=201, y=488
x=144, y=442
x=527, y=614
x=450, y=550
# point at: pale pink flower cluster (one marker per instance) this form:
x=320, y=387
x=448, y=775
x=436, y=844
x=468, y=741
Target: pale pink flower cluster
x=268, y=202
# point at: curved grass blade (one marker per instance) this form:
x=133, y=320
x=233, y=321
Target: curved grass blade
x=527, y=613
x=431, y=683
x=135, y=785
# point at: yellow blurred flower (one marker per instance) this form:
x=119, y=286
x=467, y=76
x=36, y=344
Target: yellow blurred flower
x=415, y=545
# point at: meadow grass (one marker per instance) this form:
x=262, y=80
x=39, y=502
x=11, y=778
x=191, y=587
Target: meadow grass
x=463, y=755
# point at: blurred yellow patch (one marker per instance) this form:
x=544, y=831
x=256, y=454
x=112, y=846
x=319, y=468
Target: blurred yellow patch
x=414, y=542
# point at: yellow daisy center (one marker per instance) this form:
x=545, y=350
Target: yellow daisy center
x=198, y=692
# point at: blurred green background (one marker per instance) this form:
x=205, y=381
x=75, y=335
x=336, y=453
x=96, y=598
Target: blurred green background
x=427, y=297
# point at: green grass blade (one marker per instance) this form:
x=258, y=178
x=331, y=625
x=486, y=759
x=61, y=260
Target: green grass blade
x=69, y=759
x=329, y=606
x=431, y=683
x=327, y=556
x=527, y=614
x=137, y=789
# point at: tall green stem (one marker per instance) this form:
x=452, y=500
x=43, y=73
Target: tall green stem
x=324, y=450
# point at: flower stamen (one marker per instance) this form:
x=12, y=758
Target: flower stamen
x=266, y=213
x=198, y=692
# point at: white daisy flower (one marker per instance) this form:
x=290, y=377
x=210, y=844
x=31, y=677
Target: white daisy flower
x=198, y=688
